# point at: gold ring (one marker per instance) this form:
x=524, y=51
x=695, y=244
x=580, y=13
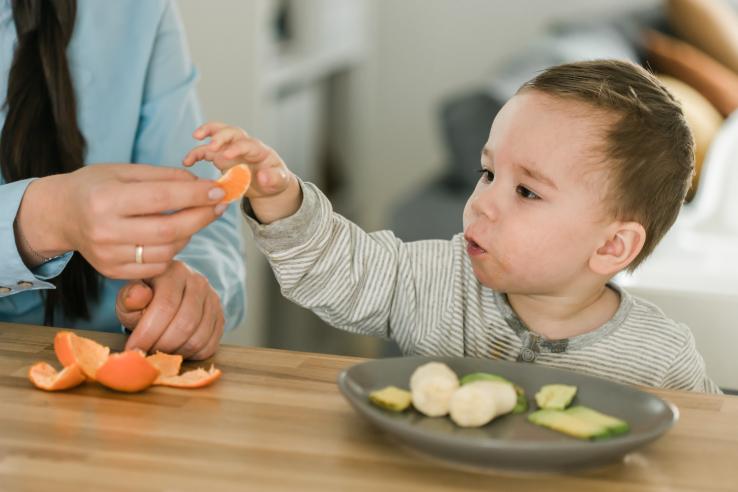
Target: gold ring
x=139, y=254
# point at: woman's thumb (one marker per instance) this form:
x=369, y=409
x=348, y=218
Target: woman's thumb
x=137, y=296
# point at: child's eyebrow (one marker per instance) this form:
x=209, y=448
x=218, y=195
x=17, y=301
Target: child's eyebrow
x=538, y=176
x=528, y=171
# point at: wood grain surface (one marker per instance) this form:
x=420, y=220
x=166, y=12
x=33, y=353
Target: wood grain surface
x=276, y=421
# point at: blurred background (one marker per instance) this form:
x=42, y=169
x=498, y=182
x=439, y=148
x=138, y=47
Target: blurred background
x=385, y=105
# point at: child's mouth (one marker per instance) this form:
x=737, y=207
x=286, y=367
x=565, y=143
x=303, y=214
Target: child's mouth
x=473, y=249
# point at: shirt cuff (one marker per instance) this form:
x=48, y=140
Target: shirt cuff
x=293, y=231
x=15, y=276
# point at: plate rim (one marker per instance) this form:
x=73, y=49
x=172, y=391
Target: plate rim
x=629, y=440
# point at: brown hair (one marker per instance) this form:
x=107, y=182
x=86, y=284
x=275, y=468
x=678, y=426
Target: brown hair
x=41, y=135
x=648, y=146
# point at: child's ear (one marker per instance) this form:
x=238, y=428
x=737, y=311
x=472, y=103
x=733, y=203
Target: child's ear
x=621, y=246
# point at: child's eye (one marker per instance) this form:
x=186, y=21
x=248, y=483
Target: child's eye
x=487, y=175
x=527, y=194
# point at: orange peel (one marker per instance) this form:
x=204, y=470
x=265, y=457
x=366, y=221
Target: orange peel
x=86, y=353
x=128, y=371
x=63, y=347
x=235, y=182
x=168, y=364
x=45, y=377
x=196, y=378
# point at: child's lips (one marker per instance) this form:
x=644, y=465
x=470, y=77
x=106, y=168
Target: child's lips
x=474, y=249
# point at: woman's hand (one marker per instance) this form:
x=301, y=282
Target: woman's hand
x=105, y=210
x=274, y=192
x=175, y=312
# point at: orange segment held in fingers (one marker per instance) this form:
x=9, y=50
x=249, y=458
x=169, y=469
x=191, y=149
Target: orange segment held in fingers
x=127, y=371
x=235, y=182
x=45, y=377
x=196, y=378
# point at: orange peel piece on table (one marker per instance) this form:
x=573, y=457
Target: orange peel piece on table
x=168, y=364
x=129, y=371
x=45, y=377
x=64, y=349
x=86, y=353
x=195, y=378
x=235, y=182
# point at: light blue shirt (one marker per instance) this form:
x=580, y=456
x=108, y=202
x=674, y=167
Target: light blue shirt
x=136, y=102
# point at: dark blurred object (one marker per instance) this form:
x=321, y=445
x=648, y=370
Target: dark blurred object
x=434, y=211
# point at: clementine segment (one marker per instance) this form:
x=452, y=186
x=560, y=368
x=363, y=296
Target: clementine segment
x=44, y=376
x=127, y=371
x=235, y=182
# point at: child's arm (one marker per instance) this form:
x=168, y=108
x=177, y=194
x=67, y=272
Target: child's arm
x=373, y=284
x=274, y=192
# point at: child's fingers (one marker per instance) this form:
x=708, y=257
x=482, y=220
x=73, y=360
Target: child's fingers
x=199, y=153
x=226, y=136
x=208, y=129
x=251, y=150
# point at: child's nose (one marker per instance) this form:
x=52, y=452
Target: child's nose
x=486, y=202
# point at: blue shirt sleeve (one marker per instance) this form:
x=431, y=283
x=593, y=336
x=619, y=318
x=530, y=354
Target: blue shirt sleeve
x=170, y=113
x=15, y=276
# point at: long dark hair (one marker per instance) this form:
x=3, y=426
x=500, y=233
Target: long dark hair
x=41, y=135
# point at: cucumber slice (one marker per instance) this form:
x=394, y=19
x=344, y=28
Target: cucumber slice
x=555, y=396
x=614, y=425
x=568, y=424
x=522, y=403
x=391, y=398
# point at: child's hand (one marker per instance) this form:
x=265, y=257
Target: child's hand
x=230, y=146
x=274, y=192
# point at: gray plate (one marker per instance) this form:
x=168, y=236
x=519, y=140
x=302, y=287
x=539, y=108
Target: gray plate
x=509, y=442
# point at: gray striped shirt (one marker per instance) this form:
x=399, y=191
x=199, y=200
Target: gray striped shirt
x=425, y=296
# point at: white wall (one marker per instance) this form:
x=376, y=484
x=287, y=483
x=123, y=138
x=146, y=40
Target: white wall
x=422, y=50
x=225, y=52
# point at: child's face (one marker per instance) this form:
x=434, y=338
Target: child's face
x=536, y=215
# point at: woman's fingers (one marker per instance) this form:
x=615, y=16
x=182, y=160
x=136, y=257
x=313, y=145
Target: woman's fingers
x=130, y=302
x=166, y=229
x=132, y=271
x=157, y=197
x=202, y=336
x=192, y=312
x=168, y=293
x=125, y=254
x=212, y=345
x=146, y=172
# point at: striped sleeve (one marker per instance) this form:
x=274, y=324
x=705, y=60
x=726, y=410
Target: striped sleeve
x=356, y=281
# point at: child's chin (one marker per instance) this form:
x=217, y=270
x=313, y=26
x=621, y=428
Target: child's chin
x=493, y=280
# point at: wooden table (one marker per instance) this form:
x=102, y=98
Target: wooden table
x=276, y=421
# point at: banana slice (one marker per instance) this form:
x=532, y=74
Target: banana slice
x=432, y=386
